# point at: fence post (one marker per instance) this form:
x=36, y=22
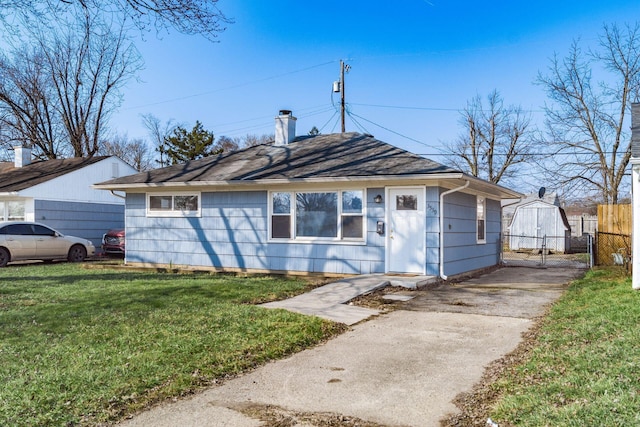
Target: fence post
x=544, y=250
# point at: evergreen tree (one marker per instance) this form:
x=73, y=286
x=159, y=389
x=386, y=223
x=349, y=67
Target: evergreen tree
x=181, y=146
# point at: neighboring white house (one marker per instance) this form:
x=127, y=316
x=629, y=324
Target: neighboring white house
x=59, y=193
x=635, y=188
x=342, y=203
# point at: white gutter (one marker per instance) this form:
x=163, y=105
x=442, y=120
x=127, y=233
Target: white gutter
x=227, y=183
x=442, y=275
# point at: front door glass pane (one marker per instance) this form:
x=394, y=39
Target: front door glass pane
x=406, y=202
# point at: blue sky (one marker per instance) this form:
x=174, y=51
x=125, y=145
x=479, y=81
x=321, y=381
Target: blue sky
x=414, y=65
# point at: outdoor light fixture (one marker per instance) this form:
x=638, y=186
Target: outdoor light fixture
x=378, y=199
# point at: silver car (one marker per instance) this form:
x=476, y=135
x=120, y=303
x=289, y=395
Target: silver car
x=30, y=240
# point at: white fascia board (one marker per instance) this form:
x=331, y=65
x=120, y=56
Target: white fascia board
x=445, y=180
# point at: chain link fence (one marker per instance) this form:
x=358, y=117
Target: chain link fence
x=613, y=249
x=547, y=251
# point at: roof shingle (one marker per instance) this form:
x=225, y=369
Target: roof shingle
x=322, y=156
x=16, y=179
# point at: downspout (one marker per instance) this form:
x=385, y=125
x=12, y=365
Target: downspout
x=117, y=195
x=442, y=275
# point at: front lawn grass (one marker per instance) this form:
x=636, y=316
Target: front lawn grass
x=584, y=369
x=84, y=346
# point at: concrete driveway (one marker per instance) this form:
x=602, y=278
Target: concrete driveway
x=402, y=368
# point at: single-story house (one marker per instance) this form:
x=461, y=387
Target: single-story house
x=333, y=204
x=59, y=193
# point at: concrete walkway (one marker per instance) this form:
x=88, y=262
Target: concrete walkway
x=328, y=301
x=403, y=368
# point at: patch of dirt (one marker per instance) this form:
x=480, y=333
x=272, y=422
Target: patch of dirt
x=376, y=299
x=275, y=416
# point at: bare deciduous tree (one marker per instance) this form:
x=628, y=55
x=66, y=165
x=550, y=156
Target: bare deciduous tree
x=58, y=88
x=251, y=140
x=135, y=152
x=496, y=139
x=586, y=120
x=237, y=142
x=159, y=133
x=186, y=16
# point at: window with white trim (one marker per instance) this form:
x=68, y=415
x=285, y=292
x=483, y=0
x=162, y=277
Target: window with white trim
x=173, y=204
x=12, y=210
x=281, y=215
x=317, y=215
x=481, y=219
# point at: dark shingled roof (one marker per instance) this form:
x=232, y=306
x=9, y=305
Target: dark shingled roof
x=17, y=179
x=322, y=156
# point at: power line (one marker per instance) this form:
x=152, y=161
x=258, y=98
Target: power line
x=335, y=113
x=182, y=98
x=389, y=130
x=264, y=124
x=456, y=110
x=358, y=125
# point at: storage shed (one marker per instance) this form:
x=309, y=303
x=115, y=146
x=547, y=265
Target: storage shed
x=538, y=223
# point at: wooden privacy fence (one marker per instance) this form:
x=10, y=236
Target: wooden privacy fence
x=613, y=240
x=614, y=219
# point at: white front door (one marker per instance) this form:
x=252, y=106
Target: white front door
x=406, y=241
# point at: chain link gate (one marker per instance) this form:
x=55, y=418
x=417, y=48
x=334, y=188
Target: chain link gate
x=533, y=251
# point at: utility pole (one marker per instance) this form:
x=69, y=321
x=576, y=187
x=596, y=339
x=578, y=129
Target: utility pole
x=340, y=88
x=342, y=94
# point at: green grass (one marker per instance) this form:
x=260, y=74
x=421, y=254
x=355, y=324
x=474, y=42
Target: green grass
x=84, y=346
x=585, y=367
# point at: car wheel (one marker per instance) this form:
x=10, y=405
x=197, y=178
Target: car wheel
x=77, y=253
x=4, y=257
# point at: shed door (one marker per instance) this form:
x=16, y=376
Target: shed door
x=407, y=239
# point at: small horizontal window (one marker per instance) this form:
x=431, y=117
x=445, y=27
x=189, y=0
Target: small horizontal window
x=173, y=204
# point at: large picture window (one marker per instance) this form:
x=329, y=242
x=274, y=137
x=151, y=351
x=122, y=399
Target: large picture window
x=179, y=204
x=331, y=215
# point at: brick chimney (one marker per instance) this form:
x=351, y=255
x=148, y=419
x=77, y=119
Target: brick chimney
x=285, y=128
x=22, y=156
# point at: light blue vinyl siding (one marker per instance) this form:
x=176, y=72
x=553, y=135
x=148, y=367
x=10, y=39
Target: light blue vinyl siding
x=462, y=253
x=232, y=233
x=86, y=220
